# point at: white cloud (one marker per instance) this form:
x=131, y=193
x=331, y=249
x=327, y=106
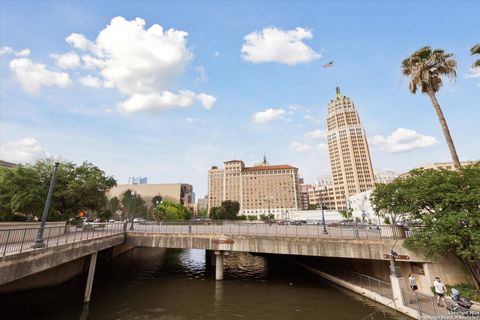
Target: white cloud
x=7, y=50
x=312, y=119
x=402, y=140
x=216, y=54
x=79, y=41
x=134, y=59
x=192, y=120
x=144, y=64
x=67, y=60
x=201, y=75
x=316, y=134
x=276, y=45
x=90, y=81
x=165, y=100
x=267, y=115
x=32, y=76
x=322, y=147
x=206, y=100
x=23, y=150
x=300, y=147
x=474, y=73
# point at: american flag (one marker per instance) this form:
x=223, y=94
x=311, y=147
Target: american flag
x=328, y=65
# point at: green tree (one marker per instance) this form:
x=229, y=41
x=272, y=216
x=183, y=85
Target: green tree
x=133, y=205
x=203, y=213
x=24, y=189
x=346, y=214
x=391, y=201
x=476, y=50
x=213, y=213
x=232, y=208
x=426, y=67
x=171, y=211
x=312, y=206
x=447, y=203
x=113, y=205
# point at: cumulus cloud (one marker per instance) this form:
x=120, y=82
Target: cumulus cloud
x=312, y=119
x=90, y=81
x=67, y=60
x=299, y=147
x=7, y=50
x=32, y=76
x=267, y=115
x=141, y=63
x=316, y=134
x=166, y=100
x=276, y=45
x=402, y=140
x=23, y=150
x=474, y=73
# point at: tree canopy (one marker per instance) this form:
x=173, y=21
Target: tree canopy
x=171, y=211
x=227, y=211
x=447, y=203
x=133, y=205
x=24, y=188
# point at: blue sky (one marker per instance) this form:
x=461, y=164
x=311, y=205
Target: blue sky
x=230, y=80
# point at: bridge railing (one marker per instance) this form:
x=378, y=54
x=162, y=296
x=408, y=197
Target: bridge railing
x=17, y=240
x=381, y=287
x=273, y=229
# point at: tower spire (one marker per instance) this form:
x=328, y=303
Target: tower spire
x=264, y=159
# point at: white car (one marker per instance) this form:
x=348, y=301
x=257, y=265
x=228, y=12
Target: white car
x=139, y=220
x=111, y=221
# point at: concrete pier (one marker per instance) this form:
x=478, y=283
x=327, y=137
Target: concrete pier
x=91, y=274
x=219, y=260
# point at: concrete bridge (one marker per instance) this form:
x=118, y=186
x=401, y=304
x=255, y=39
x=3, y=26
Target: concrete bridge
x=362, y=247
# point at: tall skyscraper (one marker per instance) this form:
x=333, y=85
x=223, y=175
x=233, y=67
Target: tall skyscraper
x=350, y=161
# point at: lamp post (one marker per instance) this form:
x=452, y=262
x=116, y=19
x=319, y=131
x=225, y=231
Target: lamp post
x=39, y=242
x=133, y=194
x=158, y=214
x=269, y=200
x=323, y=215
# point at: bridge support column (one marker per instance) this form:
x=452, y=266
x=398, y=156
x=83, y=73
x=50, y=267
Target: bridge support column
x=91, y=274
x=219, y=261
x=396, y=283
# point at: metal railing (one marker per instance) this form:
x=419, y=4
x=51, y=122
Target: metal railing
x=427, y=306
x=17, y=240
x=378, y=286
x=273, y=229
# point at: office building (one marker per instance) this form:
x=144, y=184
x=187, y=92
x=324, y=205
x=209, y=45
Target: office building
x=350, y=162
x=261, y=189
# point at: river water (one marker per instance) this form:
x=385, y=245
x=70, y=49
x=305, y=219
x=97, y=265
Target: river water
x=149, y=283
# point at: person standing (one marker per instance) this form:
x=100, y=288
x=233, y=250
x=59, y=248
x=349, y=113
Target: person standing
x=412, y=282
x=440, y=291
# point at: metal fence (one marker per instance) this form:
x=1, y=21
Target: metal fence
x=378, y=286
x=427, y=306
x=19, y=240
x=273, y=229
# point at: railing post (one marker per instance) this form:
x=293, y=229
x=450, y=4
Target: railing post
x=23, y=239
x=6, y=243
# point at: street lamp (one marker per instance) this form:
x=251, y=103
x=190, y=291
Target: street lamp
x=39, y=242
x=323, y=215
x=158, y=214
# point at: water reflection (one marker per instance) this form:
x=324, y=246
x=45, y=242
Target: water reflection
x=148, y=283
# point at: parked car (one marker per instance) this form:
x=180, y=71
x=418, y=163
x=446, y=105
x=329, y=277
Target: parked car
x=342, y=223
x=111, y=221
x=139, y=220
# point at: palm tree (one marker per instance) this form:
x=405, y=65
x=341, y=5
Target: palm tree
x=476, y=50
x=426, y=67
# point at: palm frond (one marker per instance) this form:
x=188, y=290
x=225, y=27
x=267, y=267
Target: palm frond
x=475, y=49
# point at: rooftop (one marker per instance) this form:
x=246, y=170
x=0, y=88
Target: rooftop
x=273, y=167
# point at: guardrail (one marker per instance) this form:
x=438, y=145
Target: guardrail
x=19, y=240
x=427, y=306
x=266, y=229
x=381, y=287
